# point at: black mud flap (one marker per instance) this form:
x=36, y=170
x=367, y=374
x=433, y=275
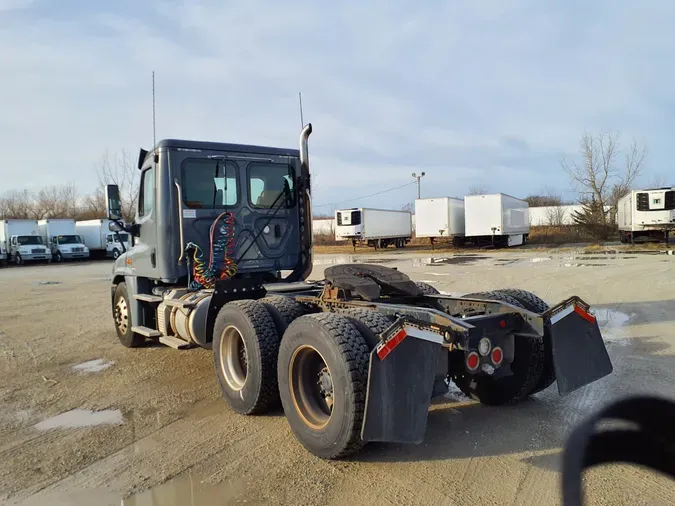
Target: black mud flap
x=399, y=392
x=579, y=353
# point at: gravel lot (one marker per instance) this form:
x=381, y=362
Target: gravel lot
x=149, y=426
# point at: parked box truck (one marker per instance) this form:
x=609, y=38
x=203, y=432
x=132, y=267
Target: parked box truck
x=495, y=220
x=100, y=240
x=440, y=217
x=60, y=236
x=646, y=214
x=375, y=227
x=23, y=242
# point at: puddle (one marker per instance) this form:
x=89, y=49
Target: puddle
x=189, y=490
x=97, y=365
x=596, y=257
x=583, y=265
x=77, y=418
x=49, y=282
x=540, y=259
x=613, y=325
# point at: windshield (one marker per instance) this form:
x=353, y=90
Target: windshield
x=69, y=239
x=25, y=240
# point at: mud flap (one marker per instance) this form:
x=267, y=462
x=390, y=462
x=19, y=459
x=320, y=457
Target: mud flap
x=399, y=392
x=579, y=353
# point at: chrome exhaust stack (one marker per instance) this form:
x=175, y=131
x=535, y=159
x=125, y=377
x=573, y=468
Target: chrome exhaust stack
x=304, y=148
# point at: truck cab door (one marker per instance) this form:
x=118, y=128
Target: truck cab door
x=144, y=259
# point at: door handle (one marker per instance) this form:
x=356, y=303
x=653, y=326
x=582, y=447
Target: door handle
x=153, y=257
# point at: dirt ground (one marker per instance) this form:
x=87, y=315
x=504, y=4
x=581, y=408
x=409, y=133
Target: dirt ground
x=150, y=426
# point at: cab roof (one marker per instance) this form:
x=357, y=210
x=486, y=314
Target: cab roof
x=223, y=146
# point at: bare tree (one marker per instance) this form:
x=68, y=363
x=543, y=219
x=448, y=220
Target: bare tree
x=55, y=202
x=120, y=169
x=556, y=215
x=16, y=204
x=598, y=177
x=659, y=181
x=410, y=207
x=478, y=190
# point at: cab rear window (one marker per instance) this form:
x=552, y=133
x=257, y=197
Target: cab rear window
x=209, y=184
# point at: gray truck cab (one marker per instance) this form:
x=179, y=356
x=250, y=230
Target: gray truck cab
x=243, y=210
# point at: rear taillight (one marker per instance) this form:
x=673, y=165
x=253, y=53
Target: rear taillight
x=497, y=355
x=472, y=361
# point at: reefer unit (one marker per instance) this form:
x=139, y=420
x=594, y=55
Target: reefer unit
x=376, y=227
x=497, y=219
x=646, y=214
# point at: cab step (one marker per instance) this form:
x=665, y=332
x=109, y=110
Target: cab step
x=146, y=331
x=174, y=342
x=146, y=297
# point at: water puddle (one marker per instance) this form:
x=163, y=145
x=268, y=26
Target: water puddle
x=613, y=325
x=49, y=282
x=78, y=418
x=540, y=259
x=97, y=365
x=188, y=490
x=582, y=265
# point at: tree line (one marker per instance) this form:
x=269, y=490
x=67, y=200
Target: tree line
x=64, y=201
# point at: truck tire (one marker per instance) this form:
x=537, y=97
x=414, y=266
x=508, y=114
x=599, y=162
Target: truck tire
x=18, y=260
x=426, y=288
x=245, y=349
x=122, y=318
x=323, y=376
x=369, y=322
x=526, y=368
x=283, y=311
x=533, y=303
x=115, y=254
x=58, y=257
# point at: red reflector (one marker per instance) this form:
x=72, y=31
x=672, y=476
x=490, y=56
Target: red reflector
x=586, y=316
x=497, y=356
x=502, y=324
x=389, y=346
x=472, y=361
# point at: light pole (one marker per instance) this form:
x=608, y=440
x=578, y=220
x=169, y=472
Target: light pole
x=419, y=192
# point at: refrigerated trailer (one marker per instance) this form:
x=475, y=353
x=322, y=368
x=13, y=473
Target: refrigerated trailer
x=646, y=214
x=100, y=240
x=23, y=242
x=59, y=235
x=496, y=220
x=441, y=217
x=375, y=227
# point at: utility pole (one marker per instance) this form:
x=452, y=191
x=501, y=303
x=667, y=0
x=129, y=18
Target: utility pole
x=419, y=191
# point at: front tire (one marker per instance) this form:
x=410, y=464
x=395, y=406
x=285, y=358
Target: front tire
x=123, y=321
x=58, y=257
x=323, y=376
x=115, y=254
x=526, y=368
x=245, y=349
x=18, y=260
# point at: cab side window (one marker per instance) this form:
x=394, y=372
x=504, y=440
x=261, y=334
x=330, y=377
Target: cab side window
x=146, y=199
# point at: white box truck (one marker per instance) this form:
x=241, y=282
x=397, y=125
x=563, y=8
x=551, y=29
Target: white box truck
x=496, y=220
x=23, y=242
x=440, y=217
x=60, y=236
x=100, y=240
x=646, y=214
x=375, y=227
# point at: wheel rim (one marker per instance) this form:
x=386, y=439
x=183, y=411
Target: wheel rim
x=17, y=260
x=311, y=387
x=233, y=358
x=115, y=254
x=122, y=315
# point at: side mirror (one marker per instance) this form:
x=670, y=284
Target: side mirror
x=114, y=227
x=112, y=199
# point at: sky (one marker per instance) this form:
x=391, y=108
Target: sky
x=484, y=94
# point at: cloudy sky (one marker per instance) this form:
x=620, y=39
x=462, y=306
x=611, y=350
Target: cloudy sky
x=476, y=93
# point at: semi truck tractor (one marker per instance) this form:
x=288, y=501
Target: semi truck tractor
x=221, y=259
x=100, y=240
x=23, y=242
x=64, y=243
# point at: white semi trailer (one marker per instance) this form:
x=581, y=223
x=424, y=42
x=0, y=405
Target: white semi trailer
x=646, y=214
x=100, y=240
x=23, y=242
x=60, y=236
x=375, y=227
x=496, y=220
x=441, y=217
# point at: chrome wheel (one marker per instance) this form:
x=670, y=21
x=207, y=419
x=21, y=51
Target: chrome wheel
x=122, y=315
x=233, y=359
x=311, y=387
